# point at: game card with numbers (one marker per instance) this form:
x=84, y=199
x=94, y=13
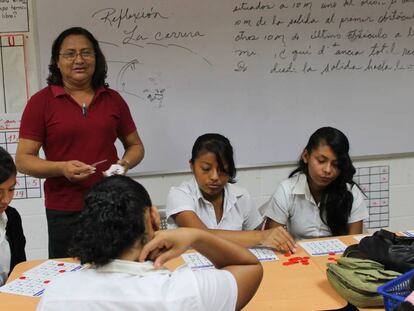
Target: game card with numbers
x=34, y=281
x=198, y=261
x=323, y=247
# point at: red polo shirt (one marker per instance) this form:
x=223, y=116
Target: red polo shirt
x=53, y=118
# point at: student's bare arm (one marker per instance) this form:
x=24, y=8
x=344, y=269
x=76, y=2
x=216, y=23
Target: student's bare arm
x=276, y=238
x=355, y=227
x=134, y=150
x=224, y=254
x=29, y=162
x=270, y=223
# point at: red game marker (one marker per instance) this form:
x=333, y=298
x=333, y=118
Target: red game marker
x=46, y=281
x=61, y=271
x=60, y=264
x=305, y=263
x=332, y=254
x=22, y=277
x=332, y=258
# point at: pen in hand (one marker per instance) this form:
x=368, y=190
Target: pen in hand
x=99, y=162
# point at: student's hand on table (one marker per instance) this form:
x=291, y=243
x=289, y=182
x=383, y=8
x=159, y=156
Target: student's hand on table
x=279, y=239
x=168, y=244
x=76, y=170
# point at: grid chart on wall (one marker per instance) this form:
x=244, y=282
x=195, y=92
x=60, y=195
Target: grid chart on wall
x=374, y=181
x=13, y=75
x=27, y=187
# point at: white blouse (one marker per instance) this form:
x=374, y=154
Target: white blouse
x=292, y=204
x=127, y=285
x=239, y=212
x=5, y=255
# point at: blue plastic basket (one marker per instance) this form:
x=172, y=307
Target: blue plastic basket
x=395, y=291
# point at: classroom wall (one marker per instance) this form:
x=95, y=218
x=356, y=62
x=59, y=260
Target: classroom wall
x=259, y=181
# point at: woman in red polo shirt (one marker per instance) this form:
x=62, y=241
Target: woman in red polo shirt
x=76, y=119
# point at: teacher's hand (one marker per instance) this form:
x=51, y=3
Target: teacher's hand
x=76, y=171
x=125, y=164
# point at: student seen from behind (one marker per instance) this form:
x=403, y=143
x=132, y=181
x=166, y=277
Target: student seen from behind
x=118, y=237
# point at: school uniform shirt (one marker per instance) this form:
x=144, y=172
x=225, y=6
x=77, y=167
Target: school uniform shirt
x=5, y=255
x=292, y=204
x=12, y=242
x=15, y=236
x=239, y=212
x=127, y=285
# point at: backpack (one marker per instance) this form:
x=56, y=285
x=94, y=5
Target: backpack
x=394, y=252
x=357, y=280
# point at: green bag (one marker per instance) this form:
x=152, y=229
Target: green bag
x=357, y=280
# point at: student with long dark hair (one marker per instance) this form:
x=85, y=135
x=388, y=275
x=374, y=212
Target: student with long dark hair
x=118, y=231
x=12, y=240
x=320, y=197
x=211, y=201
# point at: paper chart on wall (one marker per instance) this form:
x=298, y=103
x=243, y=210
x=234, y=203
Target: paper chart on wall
x=374, y=182
x=27, y=187
x=198, y=261
x=323, y=247
x=34, y=281
x=13, y=73
x=14, y=16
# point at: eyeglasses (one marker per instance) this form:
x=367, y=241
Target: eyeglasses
x=71, y=55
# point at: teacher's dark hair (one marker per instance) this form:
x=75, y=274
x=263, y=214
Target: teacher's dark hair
x=7, y=166
x=336, y=200
x=101, y=67
x=221, y=147
x=113, y=219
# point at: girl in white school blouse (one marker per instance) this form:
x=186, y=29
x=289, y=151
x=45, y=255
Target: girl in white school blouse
x=12, y=240
x=319, y=198
x=118, y=231
x=211, y=201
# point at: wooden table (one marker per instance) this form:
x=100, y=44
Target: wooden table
x=294, y=287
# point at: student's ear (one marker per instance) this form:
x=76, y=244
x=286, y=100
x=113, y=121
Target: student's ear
x=155, y=218
x=191, y=166
x=305, y=156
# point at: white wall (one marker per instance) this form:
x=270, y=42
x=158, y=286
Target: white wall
x=260, y=182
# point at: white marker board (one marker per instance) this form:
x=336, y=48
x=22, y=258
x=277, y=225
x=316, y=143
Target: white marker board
x=265, y=74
